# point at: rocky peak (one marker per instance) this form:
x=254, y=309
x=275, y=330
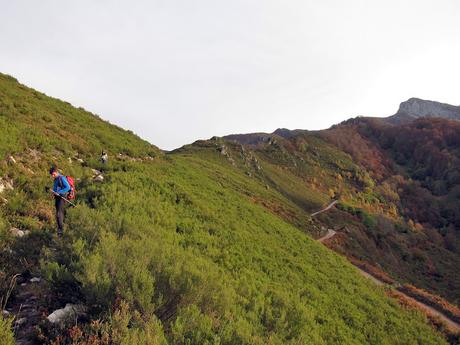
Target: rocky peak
x=415, y=108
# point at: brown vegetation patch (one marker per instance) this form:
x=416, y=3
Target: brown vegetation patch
x=434, y=320
x=361, y=149
x=434, y=301
x=274, y=208
x=337, y=241
x=372, y=270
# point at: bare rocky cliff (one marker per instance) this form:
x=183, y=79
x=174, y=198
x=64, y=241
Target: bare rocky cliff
x=415, y=108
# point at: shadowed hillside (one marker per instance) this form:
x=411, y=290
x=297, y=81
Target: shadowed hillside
x=416, y=166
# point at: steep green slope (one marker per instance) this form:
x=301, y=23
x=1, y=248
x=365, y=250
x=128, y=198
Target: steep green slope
x=39, y=131
x=51, y=124
x=183, y=248
x=397, y=186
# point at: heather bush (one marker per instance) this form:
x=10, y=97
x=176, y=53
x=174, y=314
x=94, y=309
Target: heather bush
x=6, y=331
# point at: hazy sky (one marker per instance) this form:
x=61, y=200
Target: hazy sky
x=176, y=71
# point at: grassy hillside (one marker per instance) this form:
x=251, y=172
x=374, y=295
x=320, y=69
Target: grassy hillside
x=184, y=248
x=397, y=186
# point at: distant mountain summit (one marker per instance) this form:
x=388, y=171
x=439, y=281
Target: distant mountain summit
x=415, y=108
x=410, y=110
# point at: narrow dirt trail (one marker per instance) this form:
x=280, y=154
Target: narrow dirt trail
x=325, y=209
x=451, y=325
x=330, y=234
x=28, y=311
x=370, y=276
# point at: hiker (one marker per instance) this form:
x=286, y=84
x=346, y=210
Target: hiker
x=61, y=189
x=104, y=157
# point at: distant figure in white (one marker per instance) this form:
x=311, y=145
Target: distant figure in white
x=104, y=157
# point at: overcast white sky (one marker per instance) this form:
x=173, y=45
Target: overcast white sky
x=174, y=71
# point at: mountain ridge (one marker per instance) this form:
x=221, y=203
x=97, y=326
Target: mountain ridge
x=414, y=163
x=415, y=108
x=410, y=110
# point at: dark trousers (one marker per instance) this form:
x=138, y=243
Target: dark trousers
x=60, y=213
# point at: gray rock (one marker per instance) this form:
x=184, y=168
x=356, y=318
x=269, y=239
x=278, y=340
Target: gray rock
x=69, y=313
x=18, y=232
x=5, y=185
x=415, y=108
x=96, y=172
x=35, y=280
x=99, y=178
x=223, y=150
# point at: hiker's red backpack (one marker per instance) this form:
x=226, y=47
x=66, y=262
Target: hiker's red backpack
x=71, y=181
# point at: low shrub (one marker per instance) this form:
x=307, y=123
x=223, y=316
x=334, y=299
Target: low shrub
x=6, y=331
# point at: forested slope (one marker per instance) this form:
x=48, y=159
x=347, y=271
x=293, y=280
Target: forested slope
x=416, y=168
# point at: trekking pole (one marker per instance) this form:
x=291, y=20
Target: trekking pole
x=66, y=200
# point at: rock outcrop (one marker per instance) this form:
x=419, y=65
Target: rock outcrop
x=5, y=185
x=18, y=232
x=69, y=313
x=415, y=108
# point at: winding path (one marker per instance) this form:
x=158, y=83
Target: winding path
x=451, y=324
x=330, y=233
x=325, y=209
